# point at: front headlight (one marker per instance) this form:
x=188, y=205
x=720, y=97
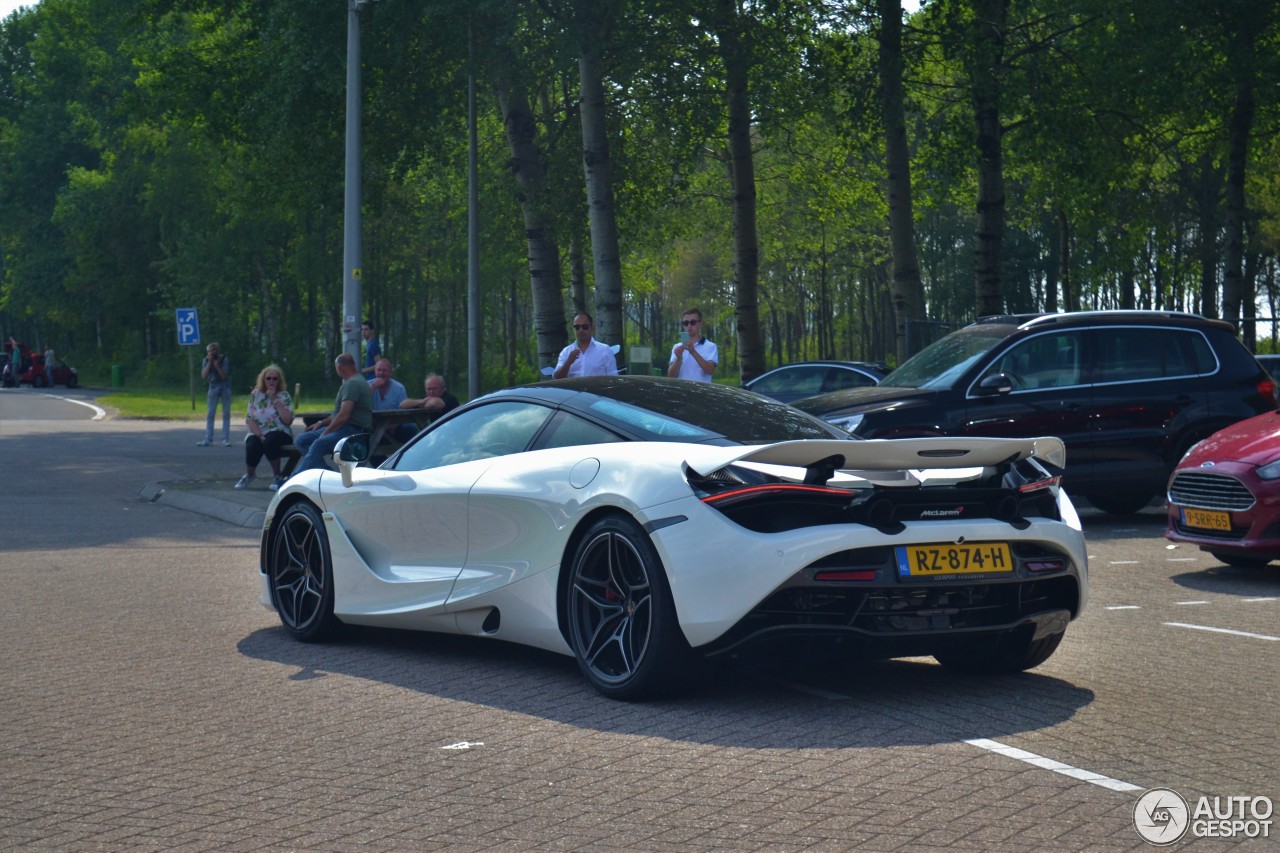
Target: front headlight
x=848, y=423
x=1270, y=471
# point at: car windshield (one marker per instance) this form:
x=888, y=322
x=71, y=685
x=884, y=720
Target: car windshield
x=660, y=409
x=941, y=364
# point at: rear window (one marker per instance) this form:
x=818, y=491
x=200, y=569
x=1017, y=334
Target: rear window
x=658, y=409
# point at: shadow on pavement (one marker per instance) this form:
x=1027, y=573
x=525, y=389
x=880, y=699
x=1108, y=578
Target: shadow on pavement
x=747, y=704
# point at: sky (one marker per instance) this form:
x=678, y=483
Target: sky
x=7, y=6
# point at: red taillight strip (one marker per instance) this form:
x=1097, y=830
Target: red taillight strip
x=777, y=487
x=1049, y=482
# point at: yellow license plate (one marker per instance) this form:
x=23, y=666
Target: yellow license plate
x=1209, y=519
x=940, y=560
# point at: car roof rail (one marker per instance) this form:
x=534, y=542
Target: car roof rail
x=1025, y=321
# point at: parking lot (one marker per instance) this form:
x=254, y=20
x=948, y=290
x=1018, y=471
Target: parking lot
x=151, y=704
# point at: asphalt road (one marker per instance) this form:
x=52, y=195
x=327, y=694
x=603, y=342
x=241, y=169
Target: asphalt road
x=149, y=703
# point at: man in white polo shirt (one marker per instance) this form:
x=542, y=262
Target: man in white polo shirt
x=586, y=356
x=695, y=357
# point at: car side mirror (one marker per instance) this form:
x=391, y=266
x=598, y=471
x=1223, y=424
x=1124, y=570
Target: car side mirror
x=994, y=385
x=349, y=453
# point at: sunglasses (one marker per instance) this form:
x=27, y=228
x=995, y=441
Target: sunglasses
x=690, y=322
x=272, y=378
x=581, y=327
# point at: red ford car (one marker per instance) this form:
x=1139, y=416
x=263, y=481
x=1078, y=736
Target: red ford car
x=1224, y=496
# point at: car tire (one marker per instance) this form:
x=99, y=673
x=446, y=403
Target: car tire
x=620, y=615
x=300, y=575
x=1120, y=503
x=39, y=381
x=1240, y=561
x=72, y=382
x=1014, y=651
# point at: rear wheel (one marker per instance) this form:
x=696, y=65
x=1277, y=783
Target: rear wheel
x=1240, y=561
x=1004, y=653
x=72, y=381
x=1121, y=503
x=300, y=573
x=621, y=618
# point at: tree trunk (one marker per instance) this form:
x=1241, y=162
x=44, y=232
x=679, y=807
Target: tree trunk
x=908, y=292
x=1064, y=259
x=598, y=172
x=742, y=177
x=526, y=165
x=988, y=59
x=1209, y=185
x=1233, y=220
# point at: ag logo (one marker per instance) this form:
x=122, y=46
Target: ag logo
x=1161, y=816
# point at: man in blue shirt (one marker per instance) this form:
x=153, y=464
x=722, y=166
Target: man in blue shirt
x=388, y=393
x=372, y=350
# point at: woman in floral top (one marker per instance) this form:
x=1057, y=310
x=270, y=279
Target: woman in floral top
x=269, y=417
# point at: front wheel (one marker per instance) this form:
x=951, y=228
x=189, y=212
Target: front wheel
x=621, y=618
x=300, y=573
x=1004, y=653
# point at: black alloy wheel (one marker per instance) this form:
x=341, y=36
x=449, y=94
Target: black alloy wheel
x=621, y=618
x=1120, y=503
x=300, y=574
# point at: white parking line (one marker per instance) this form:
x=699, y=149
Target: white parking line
x=100, y=412
x=1185, y=603
x=1223, y=631
x=1124, y=562
x=1050, y=764
x=1124, y=607
x=1265, y=598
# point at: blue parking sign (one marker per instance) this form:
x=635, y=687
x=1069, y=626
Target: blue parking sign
x=188, y=327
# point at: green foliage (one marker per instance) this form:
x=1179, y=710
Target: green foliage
x=156, y=155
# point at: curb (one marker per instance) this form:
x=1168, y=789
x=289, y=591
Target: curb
x=228, y=511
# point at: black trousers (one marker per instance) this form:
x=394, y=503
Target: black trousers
x=269, y=445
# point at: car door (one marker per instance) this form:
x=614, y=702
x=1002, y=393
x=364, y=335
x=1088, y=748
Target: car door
x=1050, y=394
x=1147, y=381
x=411, y=524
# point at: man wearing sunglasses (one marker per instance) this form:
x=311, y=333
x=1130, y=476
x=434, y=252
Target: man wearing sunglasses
x=694, y=357
x=586, y=356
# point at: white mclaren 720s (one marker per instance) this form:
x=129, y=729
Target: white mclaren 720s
x=642, y=523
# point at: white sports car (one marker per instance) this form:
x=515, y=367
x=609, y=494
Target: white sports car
x=636, y=522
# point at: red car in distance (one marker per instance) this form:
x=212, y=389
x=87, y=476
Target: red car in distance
x=1224, y=496
x=32, y=370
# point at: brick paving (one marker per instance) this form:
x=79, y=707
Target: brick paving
x=150, y=704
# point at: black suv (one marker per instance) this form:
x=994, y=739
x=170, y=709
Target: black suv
x=1127, y=391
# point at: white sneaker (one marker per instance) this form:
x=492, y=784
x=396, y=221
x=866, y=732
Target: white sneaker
x=277, y=483
x=226, y=443
x=243, y=482
x=204, y=442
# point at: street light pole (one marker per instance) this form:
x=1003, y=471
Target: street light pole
x=352, y=260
